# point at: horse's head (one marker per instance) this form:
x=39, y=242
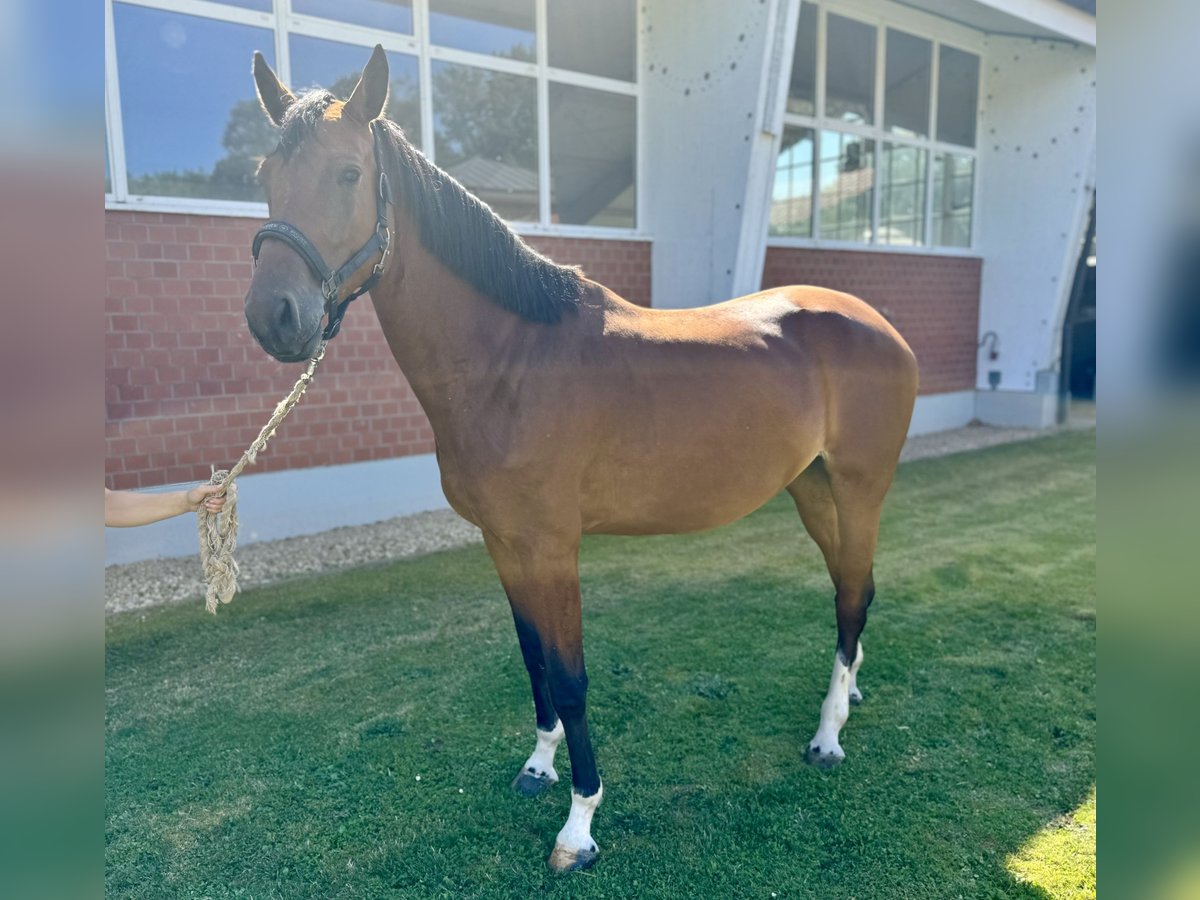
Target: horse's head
x=328, y=210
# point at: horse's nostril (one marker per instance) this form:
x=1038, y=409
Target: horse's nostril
x=287, y=314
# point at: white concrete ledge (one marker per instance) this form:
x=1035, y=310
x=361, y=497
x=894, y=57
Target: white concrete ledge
x=941, y=412
x=1020, y=409
x=276, y=505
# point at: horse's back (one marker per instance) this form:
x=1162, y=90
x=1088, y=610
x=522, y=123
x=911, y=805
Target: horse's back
x=707, y=413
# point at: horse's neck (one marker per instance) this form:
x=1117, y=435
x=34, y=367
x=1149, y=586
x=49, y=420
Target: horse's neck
x=445, y=335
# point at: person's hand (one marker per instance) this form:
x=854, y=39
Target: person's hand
x=210, y=496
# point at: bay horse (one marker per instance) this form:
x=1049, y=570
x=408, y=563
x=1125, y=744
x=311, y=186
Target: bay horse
x=560, y=409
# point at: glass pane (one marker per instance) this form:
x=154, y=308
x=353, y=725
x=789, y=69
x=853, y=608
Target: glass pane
x=337, y=66
x=802, y=89
x=260, y=5
x=847, y=181
x=958, y=96
x=193, y=126
x=388, y=15
x=849, y=70
x=485, y=135
x=792, y=190
x=495, y=27
x=902, y=195
x=953, y=195
x=592, y=139
x=597, y=38
x=907, y=79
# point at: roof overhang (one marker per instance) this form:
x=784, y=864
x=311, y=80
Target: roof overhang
x=1047, y=19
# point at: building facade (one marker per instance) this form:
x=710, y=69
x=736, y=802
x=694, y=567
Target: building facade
x=934, y=157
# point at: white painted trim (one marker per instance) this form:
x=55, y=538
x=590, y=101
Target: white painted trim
x=595, y=82
x=579, y=231
x=205, y=9
x=115, y=130
x=347, y=33
x=908, y=18
x=1073, y=24
x=542, y=113
x=1066, y=275
x=425, y=85
x=877, y=121
x=483, y=61
x=782, y=23
x=803, y=243
x=283, y=50
x=274, y=505
x=196, y=206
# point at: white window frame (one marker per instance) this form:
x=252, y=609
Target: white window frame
x=283, y=22
x=938, y=33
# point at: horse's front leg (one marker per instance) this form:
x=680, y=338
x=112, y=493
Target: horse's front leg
x=538, y=773
x=542, y=582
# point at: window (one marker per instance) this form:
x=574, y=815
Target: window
x=847, y=180
x=386, y=15
x=192, y=124
x=317, y=62
x=849, y=70
x=186, y=131
x=958, y=93
x=792, y=192
x=902, y=195
x=591, y=37
x=494, y=27
x=906, y=85
x=889, y=155
x=953, y=191
x=802, y=90
x=591, y=157
x=485, y=133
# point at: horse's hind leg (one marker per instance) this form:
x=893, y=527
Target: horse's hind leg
x=857, y=500
x=813, y=495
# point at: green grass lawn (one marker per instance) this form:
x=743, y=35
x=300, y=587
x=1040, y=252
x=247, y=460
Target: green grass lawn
x=274, y=751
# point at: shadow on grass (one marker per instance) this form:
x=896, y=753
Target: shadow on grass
x=354, y=735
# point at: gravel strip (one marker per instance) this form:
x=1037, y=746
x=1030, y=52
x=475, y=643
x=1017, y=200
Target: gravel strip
x=151, y=582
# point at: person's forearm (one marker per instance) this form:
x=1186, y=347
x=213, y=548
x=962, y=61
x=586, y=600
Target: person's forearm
x=123, y=509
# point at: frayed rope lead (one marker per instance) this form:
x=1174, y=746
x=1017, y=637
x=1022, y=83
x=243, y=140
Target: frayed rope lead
x=218, y=531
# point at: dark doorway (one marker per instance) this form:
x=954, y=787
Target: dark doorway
x=1077, y=381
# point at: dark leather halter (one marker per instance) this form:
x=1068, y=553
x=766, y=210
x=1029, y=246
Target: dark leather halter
x=332, y=281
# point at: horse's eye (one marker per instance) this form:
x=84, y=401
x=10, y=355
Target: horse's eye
x=350, y=175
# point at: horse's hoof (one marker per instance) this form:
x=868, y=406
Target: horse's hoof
x=856, y=697
x=564, y=859
x=823, y=760
x=530, y=784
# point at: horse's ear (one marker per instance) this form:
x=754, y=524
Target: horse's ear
x=371, y=92
x=273, y=96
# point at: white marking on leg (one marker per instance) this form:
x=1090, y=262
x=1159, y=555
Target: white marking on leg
x=541, y=763
x=834, y=712
x=855, y=694
x=575, y=839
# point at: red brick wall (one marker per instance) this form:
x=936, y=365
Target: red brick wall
x=932, y=300
x=186, y=386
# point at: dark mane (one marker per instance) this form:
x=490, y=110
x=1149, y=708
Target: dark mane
x=472, y=241
x=455, y=226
